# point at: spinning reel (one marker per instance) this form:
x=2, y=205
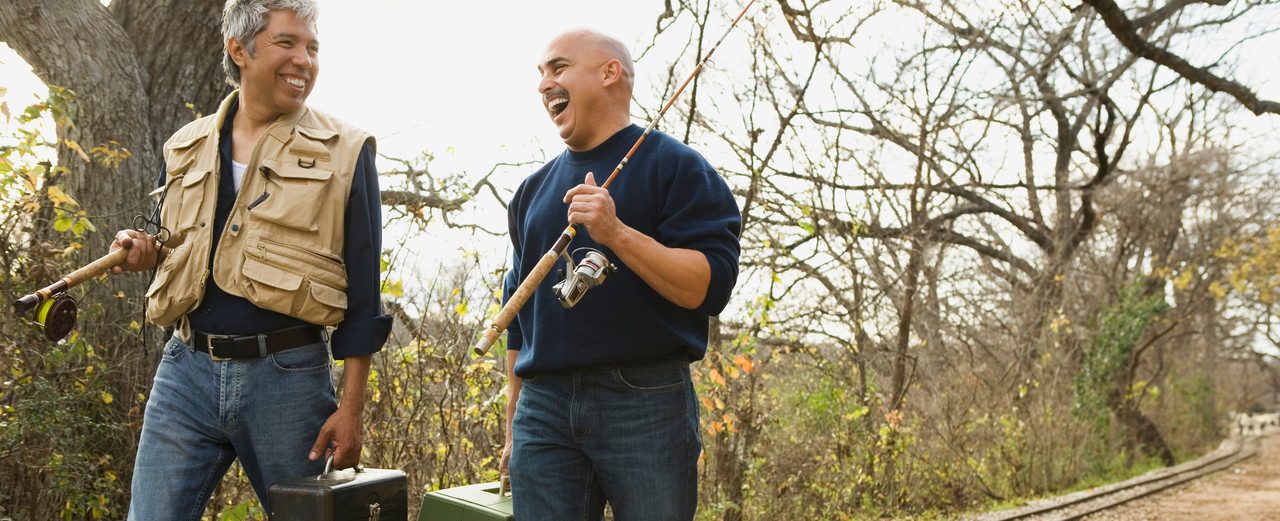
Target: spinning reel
x=590, y=273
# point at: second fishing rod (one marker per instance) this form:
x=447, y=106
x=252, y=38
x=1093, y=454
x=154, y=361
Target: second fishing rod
x=593, y=269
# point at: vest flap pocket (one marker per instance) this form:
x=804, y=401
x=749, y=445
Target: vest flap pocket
x=193, y=177
x=311, y=144
x=317, y=134
x=327, y=295
x=259, y=271
x=186, y=143
x=294, y=171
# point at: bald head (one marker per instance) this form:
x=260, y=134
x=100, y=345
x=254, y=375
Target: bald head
x=603, y=48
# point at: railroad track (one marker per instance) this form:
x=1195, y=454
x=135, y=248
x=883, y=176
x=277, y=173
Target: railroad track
x=1075, y=507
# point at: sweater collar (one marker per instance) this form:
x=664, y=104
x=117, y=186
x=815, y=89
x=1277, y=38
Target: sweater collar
x=616, y=145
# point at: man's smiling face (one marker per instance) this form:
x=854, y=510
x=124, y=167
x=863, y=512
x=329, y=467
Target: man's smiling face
x=283, y=69
x=572, y=87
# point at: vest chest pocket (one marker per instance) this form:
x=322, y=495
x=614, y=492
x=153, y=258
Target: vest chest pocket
x=297, y=194
x=190, y=199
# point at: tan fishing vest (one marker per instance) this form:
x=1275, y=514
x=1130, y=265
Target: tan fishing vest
x=282, y=252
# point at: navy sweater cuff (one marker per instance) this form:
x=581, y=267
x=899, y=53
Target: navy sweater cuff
x=720, y=286
x=360, y=337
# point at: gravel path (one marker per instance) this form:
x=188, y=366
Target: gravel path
x=1249, y=490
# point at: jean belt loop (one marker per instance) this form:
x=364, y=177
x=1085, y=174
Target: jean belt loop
x=262, y=344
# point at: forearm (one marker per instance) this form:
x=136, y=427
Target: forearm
x=514, y=384
x=355, y=380
x=680, y=275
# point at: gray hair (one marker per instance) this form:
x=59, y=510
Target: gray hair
x=244, y=19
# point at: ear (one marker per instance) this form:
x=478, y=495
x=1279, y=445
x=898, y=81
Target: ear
x=237, y=52
x=612, y=72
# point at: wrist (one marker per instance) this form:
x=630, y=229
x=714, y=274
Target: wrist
x=619, y=239
x=355, y=409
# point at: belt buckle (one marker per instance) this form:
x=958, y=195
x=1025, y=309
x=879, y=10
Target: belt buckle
x=212, y=351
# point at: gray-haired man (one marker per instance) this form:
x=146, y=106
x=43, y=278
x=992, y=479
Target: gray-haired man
x=276, y=233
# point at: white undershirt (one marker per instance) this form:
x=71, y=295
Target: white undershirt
x=237, y=174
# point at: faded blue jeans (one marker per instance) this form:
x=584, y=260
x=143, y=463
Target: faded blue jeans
x=203, y=414
x=627, y=436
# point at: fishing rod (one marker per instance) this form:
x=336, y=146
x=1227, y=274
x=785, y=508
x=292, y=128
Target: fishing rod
x=548, y=260
x=57, y=311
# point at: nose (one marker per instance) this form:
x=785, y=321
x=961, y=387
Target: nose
x=302, y=57
x=545, y=84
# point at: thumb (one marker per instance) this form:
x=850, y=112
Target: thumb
x=322, y=441
x=591, y=179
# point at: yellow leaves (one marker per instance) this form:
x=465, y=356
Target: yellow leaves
x=393, y=288
x=1183, y=280
x=107, y=398
x=1218, y=290
x=461, y=308
x=134, y=325
x=75, y=147
x=1061, y=324
x=1229, y=249
x=744, y=362
x=58, y=197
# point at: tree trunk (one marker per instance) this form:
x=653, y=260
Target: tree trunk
x=133, y=68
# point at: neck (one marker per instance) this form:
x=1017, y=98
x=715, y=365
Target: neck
x=608, y=127
x=252, y=116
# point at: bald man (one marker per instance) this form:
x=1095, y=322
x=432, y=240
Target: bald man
x=601, y=408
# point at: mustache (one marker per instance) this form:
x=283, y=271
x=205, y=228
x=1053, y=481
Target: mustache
x=554, y=93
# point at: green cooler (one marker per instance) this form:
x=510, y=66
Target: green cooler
x=482, y=502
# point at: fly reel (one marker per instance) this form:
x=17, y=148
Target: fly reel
x=56, y=316
x=589, y=273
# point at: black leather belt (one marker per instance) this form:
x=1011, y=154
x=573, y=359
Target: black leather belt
x=226, y=347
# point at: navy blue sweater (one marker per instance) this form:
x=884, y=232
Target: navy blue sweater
x=667, y=191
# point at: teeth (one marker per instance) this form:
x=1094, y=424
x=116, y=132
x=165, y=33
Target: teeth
x=295, y=82
x=556, y=103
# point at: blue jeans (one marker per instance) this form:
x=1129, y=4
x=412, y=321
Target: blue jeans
x=627, y=436
x=203, y=414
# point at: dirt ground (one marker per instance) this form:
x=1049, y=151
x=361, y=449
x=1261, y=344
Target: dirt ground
x=1250, y=490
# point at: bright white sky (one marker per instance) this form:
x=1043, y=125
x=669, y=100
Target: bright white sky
x=457, y=79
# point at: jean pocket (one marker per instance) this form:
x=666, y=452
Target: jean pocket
x=311, y=358
x=173, y=349
x=652, y=379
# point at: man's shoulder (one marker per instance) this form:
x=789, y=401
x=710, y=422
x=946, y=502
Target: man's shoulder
x=670, y=147
x=320, y=120
x=201, y=127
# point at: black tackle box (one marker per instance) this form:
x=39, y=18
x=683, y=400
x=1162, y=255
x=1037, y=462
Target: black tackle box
x=344, y=495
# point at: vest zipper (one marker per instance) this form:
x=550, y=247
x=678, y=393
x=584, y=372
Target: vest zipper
x=293, y=256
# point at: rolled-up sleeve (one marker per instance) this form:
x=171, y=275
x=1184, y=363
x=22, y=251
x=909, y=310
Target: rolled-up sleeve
x=365, y=328
x=700, y=214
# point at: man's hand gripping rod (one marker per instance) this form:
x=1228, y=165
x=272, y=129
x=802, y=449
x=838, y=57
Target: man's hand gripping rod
x=548, y=260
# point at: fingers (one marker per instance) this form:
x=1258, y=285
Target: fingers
x=320, y=447
x=588, y=187
x=122, y=240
